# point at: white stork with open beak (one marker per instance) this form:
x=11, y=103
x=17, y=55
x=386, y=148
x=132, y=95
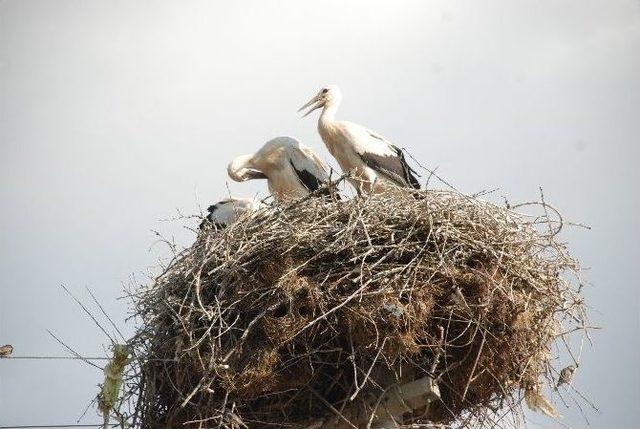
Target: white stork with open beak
x=371, y=160
x=225, y=212
x=292, y=169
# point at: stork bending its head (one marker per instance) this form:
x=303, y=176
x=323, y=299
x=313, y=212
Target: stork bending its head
x=292, y=169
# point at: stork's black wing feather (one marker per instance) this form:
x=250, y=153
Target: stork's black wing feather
x=208, y=219
x=409, y=173
x=393, y=167
x=310, y=180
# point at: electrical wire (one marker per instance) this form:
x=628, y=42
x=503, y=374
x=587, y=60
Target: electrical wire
x=57, y=426
x=54, y=358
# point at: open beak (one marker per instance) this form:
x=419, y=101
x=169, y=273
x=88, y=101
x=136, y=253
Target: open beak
x=315, y=103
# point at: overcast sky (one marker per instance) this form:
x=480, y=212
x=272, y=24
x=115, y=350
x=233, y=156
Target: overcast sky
x=114, y=114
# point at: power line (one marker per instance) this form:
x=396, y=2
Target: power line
x=73, y=357
x=73, y=352
x=54, y=358
x=56, y=426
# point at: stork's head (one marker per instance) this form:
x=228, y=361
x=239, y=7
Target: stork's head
x=241, y=169
x=328, y=95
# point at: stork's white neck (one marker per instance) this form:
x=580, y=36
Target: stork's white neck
x=327, y=126
x=328, y=114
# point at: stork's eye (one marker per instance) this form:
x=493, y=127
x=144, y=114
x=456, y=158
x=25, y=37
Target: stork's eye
x=325, y=90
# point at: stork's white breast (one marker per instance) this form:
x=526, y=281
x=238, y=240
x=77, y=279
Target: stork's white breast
x=346, y=141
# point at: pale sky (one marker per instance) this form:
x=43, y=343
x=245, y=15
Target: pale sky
x=115, y=114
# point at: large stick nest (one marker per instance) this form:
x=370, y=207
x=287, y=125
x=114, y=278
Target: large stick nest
x=301, y=311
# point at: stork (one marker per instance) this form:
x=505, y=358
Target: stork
x=225, y=212
x=292, y=169
x=372, y=161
